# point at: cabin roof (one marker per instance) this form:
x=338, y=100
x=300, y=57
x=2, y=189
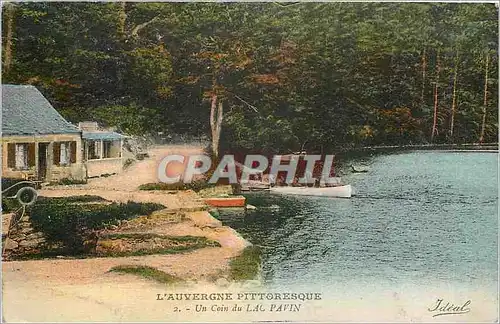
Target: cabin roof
x=25, y=111
x=101, y=136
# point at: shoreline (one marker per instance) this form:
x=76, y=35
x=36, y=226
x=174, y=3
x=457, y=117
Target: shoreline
x=197, y=222
x=35, y=281
x=475, y=147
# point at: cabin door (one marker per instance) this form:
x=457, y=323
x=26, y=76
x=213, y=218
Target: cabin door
x=43, y=154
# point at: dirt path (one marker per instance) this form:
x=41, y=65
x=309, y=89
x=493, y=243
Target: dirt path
x=141, y=172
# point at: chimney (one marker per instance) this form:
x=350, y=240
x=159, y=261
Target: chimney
x=88, y=126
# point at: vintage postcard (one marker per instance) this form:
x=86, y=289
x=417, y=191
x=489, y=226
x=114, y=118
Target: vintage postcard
x=249, y=162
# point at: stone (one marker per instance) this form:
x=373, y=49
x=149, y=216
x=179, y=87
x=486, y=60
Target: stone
x=10, y=244
x=143, y=246
x=163, y=213
x=31, y=243
x=251, y=207
x=250, y=284
x=26, y=230
x=34, y=236
x=25, y=243
x=210, y=225
x=223, y=282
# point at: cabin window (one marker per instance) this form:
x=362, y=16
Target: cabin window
x=94, y=150
x=20, y=156
x=106, y=149
x=64, y=153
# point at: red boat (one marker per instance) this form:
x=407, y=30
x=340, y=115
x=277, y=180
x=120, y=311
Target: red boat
x=237, y=201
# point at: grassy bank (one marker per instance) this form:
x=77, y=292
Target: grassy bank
x=194, y=185
x=169, y=244
x=149, y=273
x=246, y=266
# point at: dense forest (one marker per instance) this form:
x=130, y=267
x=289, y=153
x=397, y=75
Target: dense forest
x=269, y=77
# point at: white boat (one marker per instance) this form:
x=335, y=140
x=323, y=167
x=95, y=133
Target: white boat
x=254, y=185
x=344, y=191
x=359, y=169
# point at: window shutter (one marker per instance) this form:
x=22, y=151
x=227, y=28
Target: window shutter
x=31, y=154
x=73, y=152
x=57, y=153
x=11, y=155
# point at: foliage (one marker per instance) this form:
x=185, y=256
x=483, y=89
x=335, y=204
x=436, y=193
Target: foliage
x=246, y=266
x=63, y=220
x=195, y=185
x=214, y=213
x=323, y=76
x=10, y=205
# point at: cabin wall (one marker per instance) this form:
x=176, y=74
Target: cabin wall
x=102, y=163
x=74, y=170
x=96, y=168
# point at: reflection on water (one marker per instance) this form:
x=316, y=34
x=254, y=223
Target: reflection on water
x=418, y=217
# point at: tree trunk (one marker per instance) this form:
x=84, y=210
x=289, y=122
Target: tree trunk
x=9, y=26
x=122, y=19
x=218, y=128
x=424, y=66
x=454, y=97
x=216, y=114
x=436, y=95
x=485, y=102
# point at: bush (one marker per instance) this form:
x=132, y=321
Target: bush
x=194, y=185
x=61, y=220
x=10, y=205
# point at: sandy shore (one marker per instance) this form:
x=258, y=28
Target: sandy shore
x=125, y=298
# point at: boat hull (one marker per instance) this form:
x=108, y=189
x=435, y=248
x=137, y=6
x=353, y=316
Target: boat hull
x=226, y=202
x=339, y=191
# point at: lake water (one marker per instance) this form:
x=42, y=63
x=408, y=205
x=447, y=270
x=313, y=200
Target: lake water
x=419, y=219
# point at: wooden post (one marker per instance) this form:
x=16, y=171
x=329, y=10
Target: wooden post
x=37, y=164
x=79, y=151
x=102, y=150
x=50, y=160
